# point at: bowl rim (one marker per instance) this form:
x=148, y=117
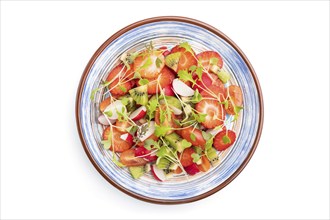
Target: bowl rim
x=161, y=19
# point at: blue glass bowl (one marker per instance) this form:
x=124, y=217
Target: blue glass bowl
x=169, y=31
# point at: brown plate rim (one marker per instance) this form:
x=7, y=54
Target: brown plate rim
x=177, y=19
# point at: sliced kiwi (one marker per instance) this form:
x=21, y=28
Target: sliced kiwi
x=223, y=75
x=172, y=102
x=138, y=171
x=147, y=168
x=212, y=155
x=169, y=170
x=168, y=173
x=152, y=98
x=128, y=58
x=140, y=95
x=166, y=165
x=162, y=163
x=177, y=142
x=172, y=60
x=131, y=104
x=173, y=166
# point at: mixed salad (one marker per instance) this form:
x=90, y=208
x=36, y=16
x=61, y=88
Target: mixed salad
x=164, y=111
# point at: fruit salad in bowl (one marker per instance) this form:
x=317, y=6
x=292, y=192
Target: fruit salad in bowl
x=165, y=110
x=169, y=110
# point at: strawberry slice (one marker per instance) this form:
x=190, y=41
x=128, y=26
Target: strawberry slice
x=214, y=110
x=121, y=80
x=210, y=85
x=203, y=83
x=185, y=158
x=224, y=139
x=165, y=78
x=193, y=135
x=215, y=80
x=104, y=104
x=168, y=90
x=192, y=169
x=164, y=50
x=218, y=91
x=144, y=153
x=186, y=59
x=120, y=145
x=206, y=60
x=205, y=165
x=177, y=170
x=149, y=64
x=235, y=99
x=129, y=159
x=122, y=126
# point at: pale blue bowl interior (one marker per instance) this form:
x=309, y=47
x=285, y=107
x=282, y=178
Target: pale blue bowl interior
x=170, y=33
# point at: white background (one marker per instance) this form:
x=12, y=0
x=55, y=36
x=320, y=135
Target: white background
x=44, y=49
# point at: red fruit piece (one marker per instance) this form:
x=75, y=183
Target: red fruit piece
x=168, y=90
x=205, y=59
x=121, y=80
x=165, y=79
x=185, y=158
x=203, y=83
x=120, y=145
x=104, y=104
x=235, y=98
x=196, y=139
x=140, y=151
x=127, y=137
x=151, y=158
x=214, y=110
x=218, y=91
x=128, y=159
x=178, y=170
x=210, y=86
x=205, y=165
x=192, y=169
x=149, y=64
x=164, y=50
x=144, y=153
x=224, y=139
x=186, y=60
x=122, y=126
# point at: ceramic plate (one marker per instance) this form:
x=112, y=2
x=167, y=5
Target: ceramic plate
x=169, y=31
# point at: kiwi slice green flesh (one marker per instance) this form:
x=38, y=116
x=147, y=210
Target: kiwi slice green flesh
x=173, y=166
x=212, y=156
x=136, y=172
x=172, y=101
x=162, y=163
x=172, y=60
x=140, y=95
x=176, y=141
x=131, y=104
